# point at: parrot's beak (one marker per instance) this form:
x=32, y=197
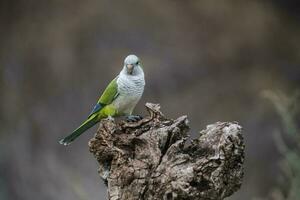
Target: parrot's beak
x=129, y=68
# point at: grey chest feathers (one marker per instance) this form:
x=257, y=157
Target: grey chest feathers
x=130, y=89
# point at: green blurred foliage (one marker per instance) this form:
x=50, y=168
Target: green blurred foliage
x=288, y=144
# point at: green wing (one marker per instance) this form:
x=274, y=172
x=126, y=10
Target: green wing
x=109, y=94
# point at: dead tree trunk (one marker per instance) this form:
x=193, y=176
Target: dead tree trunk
x=148, y=159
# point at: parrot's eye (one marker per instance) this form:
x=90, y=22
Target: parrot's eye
x=137, y=63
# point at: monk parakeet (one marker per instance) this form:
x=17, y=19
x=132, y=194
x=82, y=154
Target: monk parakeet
x=118, y=99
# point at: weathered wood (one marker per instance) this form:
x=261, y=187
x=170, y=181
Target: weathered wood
x=149, y=159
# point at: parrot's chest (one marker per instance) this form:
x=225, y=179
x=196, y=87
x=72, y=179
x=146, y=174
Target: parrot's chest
x=130, y=92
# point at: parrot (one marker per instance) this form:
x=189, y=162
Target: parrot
x=118, y=99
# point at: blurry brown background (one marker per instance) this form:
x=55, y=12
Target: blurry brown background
x=208, y=59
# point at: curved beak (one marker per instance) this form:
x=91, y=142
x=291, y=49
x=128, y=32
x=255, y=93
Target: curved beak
x=129, y=68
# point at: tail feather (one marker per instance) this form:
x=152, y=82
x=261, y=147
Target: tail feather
x=81, y=129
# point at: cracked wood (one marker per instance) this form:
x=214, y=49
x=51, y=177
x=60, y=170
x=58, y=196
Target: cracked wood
x=149, y=159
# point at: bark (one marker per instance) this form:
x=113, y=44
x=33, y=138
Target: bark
x=149, y=159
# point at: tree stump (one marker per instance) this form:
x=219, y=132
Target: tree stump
x=149, y=159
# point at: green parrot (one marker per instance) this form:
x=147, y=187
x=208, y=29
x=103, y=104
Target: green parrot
x=118, y=99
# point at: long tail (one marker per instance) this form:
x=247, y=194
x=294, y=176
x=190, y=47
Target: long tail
x=81, y=129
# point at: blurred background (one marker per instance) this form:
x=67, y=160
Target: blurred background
x=212, y=60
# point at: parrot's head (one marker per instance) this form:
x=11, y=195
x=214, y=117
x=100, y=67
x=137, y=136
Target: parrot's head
x=132, y=65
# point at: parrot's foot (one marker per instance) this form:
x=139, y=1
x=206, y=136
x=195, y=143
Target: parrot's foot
x=133, y=118
x=110, y=118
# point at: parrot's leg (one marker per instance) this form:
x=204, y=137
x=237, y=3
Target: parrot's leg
x=133, y=118
x=110, y=118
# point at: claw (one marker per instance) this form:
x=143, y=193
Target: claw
x=133, y=118
x=110, y=118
